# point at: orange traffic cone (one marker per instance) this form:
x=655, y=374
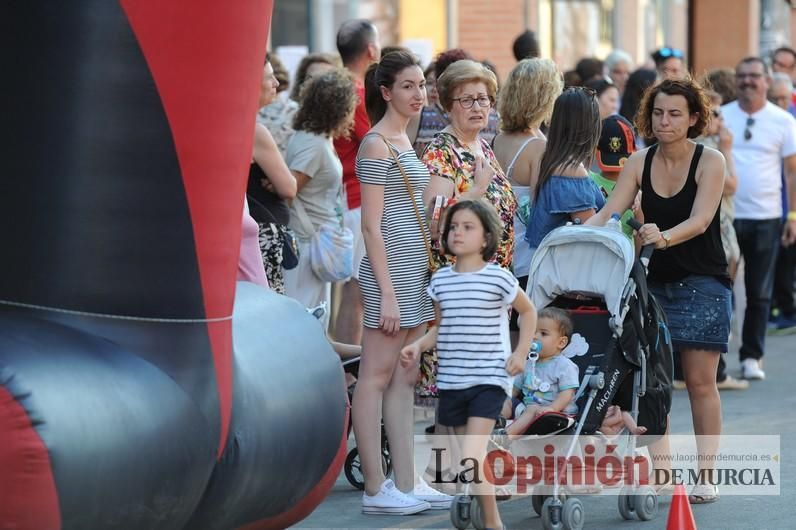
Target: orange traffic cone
x=680, y=515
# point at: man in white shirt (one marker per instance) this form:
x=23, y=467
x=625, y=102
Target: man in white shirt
x=764, y=138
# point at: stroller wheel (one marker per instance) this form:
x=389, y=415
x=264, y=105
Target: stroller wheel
x=626, y=501
x=551, y=514
x=476, y=515
x=536, y=503
x=386, y=460
x=646, y=503
x=353, y=468
x=461, y=511
x=540, y=493
x=572, y=514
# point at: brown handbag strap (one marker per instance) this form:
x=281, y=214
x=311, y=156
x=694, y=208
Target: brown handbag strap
x=411, y=192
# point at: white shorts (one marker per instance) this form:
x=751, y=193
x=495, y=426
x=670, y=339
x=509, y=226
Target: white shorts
x=353, y=221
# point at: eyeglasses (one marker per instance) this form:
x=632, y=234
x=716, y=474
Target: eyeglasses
x=747, y=133
x=667, y=52
x=467, y=102
x=752, y=75
x=586, y=90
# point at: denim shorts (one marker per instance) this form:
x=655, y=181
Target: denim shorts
x=699, y=309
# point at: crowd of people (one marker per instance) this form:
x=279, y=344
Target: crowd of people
x=439, y=184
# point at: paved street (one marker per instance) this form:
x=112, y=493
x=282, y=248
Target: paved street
x=766, y=408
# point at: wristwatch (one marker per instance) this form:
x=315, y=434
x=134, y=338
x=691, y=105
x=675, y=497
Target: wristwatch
x=667, y=237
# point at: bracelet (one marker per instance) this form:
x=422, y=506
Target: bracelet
x=792, y=215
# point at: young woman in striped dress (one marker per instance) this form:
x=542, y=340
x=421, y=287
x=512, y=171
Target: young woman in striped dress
x=393, y=278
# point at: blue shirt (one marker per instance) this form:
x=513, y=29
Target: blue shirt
x=558, y=198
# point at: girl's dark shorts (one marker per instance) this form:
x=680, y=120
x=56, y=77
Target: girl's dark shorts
x=480, y=401
x=699, y=309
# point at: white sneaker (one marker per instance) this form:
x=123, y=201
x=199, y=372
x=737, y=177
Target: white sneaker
x=750, y=369
x=392, y=501
x=437, y=499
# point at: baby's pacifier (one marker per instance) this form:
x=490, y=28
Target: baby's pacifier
x=533, y=353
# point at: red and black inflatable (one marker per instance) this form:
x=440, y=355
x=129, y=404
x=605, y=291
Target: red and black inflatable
x=140, y=386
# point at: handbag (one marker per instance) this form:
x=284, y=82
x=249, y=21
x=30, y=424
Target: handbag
x=280, y=237
x=331, y=249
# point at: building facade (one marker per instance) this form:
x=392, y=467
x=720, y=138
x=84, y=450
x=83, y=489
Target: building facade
x=567, y=29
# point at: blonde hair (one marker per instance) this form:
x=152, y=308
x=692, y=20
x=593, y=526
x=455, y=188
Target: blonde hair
x=527, y=98
x=463, y=72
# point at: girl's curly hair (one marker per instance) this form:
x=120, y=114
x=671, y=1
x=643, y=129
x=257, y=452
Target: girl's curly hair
x=327, y=104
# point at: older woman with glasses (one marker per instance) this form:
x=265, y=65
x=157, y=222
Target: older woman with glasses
x=462, y=164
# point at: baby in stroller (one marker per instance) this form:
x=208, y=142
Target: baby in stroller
x=549, y=383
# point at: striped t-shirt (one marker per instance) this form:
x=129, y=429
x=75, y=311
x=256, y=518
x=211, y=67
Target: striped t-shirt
x=473, y=341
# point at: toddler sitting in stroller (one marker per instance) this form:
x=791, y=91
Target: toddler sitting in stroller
x=548, y=384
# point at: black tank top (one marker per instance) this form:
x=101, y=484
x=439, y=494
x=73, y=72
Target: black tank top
x=703, y=254
x=264, y=206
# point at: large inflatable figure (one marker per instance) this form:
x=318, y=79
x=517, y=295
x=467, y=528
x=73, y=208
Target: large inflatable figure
x=140, y=386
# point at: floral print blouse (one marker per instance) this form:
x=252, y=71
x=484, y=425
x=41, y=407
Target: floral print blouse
x=448, y=158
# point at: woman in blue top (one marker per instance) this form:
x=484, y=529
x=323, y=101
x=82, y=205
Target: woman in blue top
x=564, y=192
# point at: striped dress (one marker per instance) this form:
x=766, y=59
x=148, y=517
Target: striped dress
x=407, y=259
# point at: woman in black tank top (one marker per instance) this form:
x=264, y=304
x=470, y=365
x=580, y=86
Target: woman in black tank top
x=270, y=185
x=681, y=184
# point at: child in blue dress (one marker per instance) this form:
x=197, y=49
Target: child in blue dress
x=564, y=191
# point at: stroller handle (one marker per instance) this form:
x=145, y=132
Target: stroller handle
x=646, y=250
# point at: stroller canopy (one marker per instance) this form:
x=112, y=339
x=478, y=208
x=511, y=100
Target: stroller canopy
x=589, y=260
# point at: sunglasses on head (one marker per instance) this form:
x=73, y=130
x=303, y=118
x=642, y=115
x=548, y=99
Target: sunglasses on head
x=667, y=52
x=747, y=133
x=586, y=90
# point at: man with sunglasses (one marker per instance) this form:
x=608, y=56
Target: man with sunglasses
x=764, y=143
x=670, y=63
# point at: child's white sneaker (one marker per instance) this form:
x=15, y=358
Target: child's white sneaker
x=392, y=501
x=437, y=499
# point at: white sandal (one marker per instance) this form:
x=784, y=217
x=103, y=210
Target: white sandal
x=704, y=494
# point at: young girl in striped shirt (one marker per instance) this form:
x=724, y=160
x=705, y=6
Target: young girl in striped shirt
x=476, y=364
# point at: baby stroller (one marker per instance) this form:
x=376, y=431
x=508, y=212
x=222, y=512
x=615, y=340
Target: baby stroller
x=592, y=272
x=352, y=466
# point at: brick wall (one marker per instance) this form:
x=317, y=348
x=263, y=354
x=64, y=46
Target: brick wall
x=487, y=28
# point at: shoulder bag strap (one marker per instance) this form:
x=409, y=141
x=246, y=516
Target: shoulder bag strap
x=302, y=217
x=411, y=192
